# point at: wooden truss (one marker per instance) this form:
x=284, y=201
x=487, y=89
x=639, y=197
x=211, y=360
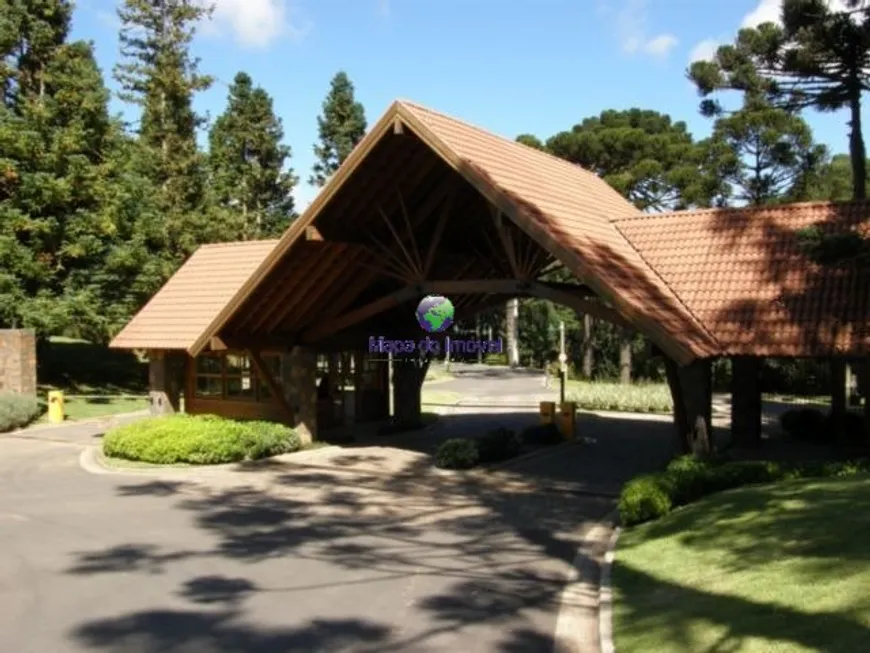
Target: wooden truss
x=580, y=298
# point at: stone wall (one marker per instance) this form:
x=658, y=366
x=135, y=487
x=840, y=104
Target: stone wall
x=18, y=361
x=300, y=387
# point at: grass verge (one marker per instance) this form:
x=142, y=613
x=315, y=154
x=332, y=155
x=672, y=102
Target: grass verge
x=78, y=407
x=777, y=568
x=440, y=397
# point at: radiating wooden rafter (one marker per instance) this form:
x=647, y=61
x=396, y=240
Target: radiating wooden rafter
x=571, y=295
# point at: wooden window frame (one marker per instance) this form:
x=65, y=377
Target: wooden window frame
x=260, y=389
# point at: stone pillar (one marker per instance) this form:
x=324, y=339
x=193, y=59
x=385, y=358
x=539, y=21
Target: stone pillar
x=18, y=361
x=372, y=388
x=408, y=374
x=165, y=381
x=692, y=392
x=746, y=401
x=299, y=369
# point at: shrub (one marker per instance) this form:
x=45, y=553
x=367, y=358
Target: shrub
x=495, y=359
x=628, y=398
x=688, y=479
x=457, y=453
x=500, y=444
x=17, y=410
x=643, y=499
x=804, y=424
x=541, y=434
x=198, y=440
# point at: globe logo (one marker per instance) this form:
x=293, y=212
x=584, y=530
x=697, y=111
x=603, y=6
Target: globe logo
x=435, y=313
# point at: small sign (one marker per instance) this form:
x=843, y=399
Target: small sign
x=563, y=358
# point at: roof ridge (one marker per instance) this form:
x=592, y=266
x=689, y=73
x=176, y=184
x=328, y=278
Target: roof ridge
x=787, y=207
x=551, y=157
x=667, y=285
x=239, y=243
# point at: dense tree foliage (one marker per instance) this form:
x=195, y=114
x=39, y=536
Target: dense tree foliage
x=340, y=127
x=645, y=155
x=247, y=164
x=818, y=57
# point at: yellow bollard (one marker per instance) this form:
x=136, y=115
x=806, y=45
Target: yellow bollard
x=55, y=407
x=568, y=419
x=548, y=412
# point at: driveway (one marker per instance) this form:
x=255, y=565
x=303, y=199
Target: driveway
x=361, y=549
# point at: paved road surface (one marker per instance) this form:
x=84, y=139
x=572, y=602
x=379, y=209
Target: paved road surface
x=367, y=552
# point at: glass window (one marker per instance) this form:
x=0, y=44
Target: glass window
x=240, y=387
x=209, y=386
x=236, y=364
x=209, y=364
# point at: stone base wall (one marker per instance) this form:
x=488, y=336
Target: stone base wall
x=18, y=361
x=300, y=388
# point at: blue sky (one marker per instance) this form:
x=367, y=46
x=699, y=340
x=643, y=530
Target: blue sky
x=537, y=66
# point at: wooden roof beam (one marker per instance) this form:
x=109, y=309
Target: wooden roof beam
x=328, y=327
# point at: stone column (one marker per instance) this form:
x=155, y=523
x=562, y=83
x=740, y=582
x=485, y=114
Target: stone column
x=18, y=361
x=746, y=401
x=408, y=376
x=691, y=389
x=165, y=381
x=299, y=370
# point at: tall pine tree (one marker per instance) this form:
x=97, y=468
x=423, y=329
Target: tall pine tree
x=341, y=126
x=247, y=163
x=56, y=141
x=159, y=75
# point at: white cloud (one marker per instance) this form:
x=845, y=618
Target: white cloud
x=660, y=45
x=704, y=50
x=633, y=32
x=258, y=23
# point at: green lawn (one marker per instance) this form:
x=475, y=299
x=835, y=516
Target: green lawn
x=89, y=406
x=440, y=397
x=766, y=569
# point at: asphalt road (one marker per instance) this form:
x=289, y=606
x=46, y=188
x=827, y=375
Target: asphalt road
x=336, y=561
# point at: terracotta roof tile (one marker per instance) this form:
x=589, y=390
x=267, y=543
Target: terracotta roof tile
x=188, y=303
x=741, y=272
x=578, y=209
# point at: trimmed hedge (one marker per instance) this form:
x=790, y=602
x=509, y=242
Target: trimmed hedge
x=813, y=425
x=688, y=479
x=457, y=453
x=500, y=444
x=17, y=410
x=198, y=440
x=541, y=434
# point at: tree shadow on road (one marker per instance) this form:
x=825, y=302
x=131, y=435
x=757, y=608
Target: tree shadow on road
x=489, y=554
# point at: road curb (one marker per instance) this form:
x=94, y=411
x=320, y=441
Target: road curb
x=578, y=620
x=605, y=596
x=105, y=419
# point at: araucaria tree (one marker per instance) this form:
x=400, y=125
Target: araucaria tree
x=763, y=154
x=247, y=164
x=340, y=127
x=818, y=57
x=158, y=74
